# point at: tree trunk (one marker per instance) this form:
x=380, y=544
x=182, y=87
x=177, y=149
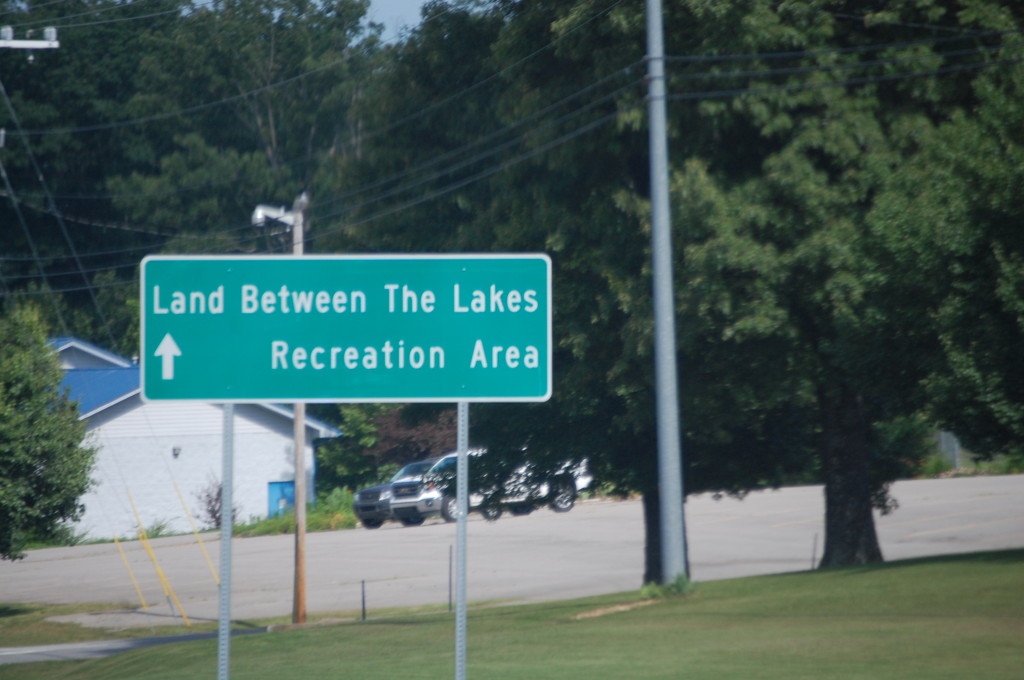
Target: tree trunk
x=652, y=535
x=850, y=537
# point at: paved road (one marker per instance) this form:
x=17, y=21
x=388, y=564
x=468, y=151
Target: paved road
x=597, y=548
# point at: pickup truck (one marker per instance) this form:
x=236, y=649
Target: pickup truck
x=373, y=504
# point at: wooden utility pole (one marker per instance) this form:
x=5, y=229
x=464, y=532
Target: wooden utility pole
x=299, y=599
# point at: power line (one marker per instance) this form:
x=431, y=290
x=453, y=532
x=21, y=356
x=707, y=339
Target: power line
x=708, y=94
x=845, y=66
x=856, y=49
x=362, y=138
x=492, y=136
x=282, y=83
x=63, y=227
x=35, y=252
x=715, y=93
x=459, y=165
x=846, y=82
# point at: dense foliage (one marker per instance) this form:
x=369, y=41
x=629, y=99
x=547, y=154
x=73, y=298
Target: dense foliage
x=845, y=183
x=44, y=464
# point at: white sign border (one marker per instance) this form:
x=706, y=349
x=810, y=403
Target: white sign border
x=143, y=297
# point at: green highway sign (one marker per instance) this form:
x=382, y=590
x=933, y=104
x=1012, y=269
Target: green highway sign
x=427, y=328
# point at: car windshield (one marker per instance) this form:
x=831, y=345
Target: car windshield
x=445, y=466
x=413, y=470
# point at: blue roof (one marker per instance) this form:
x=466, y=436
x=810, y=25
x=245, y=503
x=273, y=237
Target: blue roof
x=96, y=387
x=62, y=343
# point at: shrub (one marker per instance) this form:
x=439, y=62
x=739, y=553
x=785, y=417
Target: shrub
x=657, y=591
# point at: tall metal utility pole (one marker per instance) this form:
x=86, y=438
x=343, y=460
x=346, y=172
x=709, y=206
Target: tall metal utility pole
x=299, y=599
x=670, y=455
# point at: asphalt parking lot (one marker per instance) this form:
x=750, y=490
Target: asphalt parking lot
x=594, y=549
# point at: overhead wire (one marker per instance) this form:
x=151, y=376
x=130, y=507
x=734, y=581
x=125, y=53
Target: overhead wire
x=487, y=172
x=705, y=75
x=35, y=253
x=845, y=82
x=716, y=58
x=420, y=113
x=390, y=127
x=708, y=93
x=426, y=110
x=60, y=21
x=63, y=227
x=850, y=49
x=876, y=21
x=705, y=94
x=35, y=6
x=496, y=134
x=463, y=162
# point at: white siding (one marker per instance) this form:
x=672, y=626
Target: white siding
x=135, y=462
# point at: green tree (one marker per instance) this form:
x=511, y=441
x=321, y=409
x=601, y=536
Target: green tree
x=44, y=466
x=159, y=128
x=551, y=100
x=953, y=217
x=783, y=269
x=264, y=89
x=64, y=114
x=803, y=344
x=377, y=439
x=425, y=120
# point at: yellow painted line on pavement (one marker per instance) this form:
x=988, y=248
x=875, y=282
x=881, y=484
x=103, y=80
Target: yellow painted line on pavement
x=961, y=527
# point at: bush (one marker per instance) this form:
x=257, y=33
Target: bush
x=332, y=511
x=936, y=465
x=210, y=500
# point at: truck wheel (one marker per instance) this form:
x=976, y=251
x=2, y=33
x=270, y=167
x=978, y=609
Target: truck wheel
x=372, y=523
x=448, y=507
x=563, y=499
x=491, y=512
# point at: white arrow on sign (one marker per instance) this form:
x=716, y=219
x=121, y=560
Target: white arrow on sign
x=167, y=350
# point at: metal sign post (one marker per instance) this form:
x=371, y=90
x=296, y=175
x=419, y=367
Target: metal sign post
x=226, y=512
x=462, y=508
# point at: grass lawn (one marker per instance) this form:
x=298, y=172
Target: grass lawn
x=950, y=617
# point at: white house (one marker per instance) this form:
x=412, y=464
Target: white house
x=156, y=461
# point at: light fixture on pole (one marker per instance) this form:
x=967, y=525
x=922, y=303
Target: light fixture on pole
x=275, y=224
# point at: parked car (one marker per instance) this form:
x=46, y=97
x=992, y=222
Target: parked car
x=413, y=501
x=373, y=504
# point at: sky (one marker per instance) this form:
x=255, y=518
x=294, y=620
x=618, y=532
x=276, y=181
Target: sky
x=395, y=14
